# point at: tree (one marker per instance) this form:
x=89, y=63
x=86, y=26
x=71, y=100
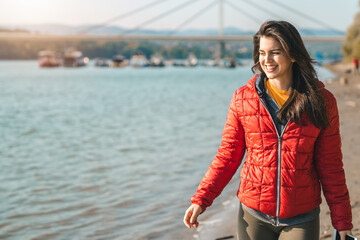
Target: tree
x=351, y=47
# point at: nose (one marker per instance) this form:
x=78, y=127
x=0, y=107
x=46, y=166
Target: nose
x=268, y=58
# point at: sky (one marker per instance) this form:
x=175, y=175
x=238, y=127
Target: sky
x=338, y=14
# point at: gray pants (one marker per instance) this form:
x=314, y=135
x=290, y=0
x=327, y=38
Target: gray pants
x=251, y=228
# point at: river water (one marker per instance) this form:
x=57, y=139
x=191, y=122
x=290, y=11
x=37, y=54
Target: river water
x=93, y=153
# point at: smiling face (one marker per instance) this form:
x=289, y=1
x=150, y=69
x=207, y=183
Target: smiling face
x=274, y=61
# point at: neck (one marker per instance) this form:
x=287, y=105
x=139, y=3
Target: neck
x=283, y=84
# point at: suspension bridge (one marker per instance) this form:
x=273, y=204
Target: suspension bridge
x=130, y=34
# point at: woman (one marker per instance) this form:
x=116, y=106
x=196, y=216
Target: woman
x=289, y=125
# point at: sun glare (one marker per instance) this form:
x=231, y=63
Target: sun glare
x=28, y=12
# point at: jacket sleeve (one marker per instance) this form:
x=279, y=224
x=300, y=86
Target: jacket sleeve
x=329, y=166
x=226, y=161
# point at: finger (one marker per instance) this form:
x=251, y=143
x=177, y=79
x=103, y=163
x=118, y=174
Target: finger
x=187, y=220
x=187, y=217
x=195, y=225
x=194, y=216
x=342, y=235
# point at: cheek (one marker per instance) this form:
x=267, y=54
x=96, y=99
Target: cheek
x=261, y=60
x=283, y=61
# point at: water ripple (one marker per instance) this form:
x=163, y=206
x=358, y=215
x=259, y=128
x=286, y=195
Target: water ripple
x=90, y=154
x=51, y=212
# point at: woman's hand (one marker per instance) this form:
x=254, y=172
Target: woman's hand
x=191, y=215
x=344, y=233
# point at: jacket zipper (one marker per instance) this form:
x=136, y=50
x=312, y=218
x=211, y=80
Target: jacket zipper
x=279, y=162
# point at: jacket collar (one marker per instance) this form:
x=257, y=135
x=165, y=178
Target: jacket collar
x=257, y=84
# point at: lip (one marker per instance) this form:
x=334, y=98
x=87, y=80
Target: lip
x=270, y=68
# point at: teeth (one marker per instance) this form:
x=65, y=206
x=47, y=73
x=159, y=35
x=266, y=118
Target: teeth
x=270, y=68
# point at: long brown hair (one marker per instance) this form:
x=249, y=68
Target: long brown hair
x=306, y=92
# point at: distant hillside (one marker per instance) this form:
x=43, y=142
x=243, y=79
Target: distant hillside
x=114, y=30
x=12, y=30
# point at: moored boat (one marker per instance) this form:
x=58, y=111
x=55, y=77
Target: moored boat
x=139, y=60
x=227, y=63
x=74, y=58
x=101, y=62
x=156, y=61
x=118, y=61
x=48, y=58
x=191, y=61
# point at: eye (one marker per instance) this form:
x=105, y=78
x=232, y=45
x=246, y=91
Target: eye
x=262, y=53
x=276, y=53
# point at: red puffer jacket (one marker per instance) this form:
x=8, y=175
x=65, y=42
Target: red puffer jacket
x=286, y=188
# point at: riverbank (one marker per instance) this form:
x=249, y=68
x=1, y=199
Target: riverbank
x=346, y=88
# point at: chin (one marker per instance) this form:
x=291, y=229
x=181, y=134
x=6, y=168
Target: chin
x=270, y=75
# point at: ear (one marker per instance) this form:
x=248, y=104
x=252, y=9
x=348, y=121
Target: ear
x=293, y=60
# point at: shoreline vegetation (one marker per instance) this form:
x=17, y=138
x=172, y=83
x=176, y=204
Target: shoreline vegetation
x=28, y=49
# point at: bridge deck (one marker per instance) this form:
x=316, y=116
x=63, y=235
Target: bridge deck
x=33, y=36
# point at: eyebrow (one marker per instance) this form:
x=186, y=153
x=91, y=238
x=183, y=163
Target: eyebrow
x=275, y=49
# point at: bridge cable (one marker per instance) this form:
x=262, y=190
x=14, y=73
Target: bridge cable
x=193, y=17
x=286, y=7
x=124, y=15
x=177, y=8
x=243, y=12
x=257, y=6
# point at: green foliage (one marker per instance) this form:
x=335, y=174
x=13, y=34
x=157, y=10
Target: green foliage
x=28, y=49
x=351, y=47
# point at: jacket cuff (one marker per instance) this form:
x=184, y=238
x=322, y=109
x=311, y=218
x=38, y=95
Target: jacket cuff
x=343, y=227
x=203, y=207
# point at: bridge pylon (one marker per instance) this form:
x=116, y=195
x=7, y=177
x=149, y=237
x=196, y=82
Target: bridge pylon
x=220, y=50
